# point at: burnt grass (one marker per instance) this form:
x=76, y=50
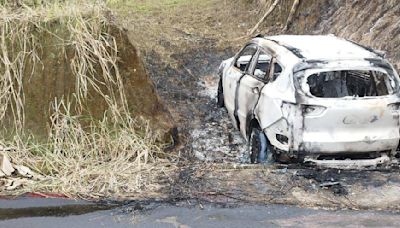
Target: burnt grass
x=179, y=87
x=220, y=173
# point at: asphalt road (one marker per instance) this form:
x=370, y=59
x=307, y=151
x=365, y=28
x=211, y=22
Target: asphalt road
x=44, y=213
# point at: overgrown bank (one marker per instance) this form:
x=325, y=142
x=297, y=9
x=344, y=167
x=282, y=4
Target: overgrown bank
x=78, y=107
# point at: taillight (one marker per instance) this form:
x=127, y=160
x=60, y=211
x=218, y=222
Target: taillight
x=313, y=110
x=394, y=108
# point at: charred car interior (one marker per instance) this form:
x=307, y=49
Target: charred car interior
x=336, y=84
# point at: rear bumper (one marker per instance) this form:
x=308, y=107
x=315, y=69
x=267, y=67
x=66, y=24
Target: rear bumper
x=351, y=141
x=349, y=164
x=354, y=125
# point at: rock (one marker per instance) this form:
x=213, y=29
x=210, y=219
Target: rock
x=5, y=165
x=12, y=184
x=24, y=171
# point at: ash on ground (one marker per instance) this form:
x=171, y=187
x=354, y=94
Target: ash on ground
x=216, y=139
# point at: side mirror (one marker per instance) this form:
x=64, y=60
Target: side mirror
x=239, y=65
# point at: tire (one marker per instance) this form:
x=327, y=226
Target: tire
x=284, y=158
x=220, y=95
x=255, y=146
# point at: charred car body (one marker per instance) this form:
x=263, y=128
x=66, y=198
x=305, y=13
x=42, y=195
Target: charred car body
x=312, y=98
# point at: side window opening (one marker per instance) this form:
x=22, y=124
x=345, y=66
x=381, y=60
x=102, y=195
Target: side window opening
x=336, y=84
x=277, y=71
x=245, y=57
x=262, y=65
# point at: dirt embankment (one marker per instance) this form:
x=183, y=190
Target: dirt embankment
x=42, y=84
x=75, y=102
x=374, y=24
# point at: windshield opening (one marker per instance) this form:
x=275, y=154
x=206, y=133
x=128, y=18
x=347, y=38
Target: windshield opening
x=354, y=83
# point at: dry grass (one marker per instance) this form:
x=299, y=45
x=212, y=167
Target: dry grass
x=148, y=6
x=107, y=158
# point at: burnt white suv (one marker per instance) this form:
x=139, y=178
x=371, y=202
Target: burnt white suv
x=313, y=98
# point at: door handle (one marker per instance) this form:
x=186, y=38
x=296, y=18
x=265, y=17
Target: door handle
x=256, y=90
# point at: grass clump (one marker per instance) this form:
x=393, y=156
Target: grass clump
x=114, y=156
x=148, y=6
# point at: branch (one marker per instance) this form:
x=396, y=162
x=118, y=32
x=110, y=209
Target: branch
x=291, y=14
x=271, y=8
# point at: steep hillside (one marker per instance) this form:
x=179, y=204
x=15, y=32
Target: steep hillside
x=371, y=23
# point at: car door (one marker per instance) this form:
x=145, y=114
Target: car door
x=250, y=87
x=233, y=75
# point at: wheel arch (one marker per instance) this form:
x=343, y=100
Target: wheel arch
x=251, y=123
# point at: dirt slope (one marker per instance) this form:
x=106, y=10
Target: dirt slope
x=371, y=23
x=53, y=78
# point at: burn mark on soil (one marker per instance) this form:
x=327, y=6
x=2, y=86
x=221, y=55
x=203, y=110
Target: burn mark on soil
x=329, y=179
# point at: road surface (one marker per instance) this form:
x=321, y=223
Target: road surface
x=28, y=212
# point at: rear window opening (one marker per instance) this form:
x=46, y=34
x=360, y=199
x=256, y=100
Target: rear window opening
x=353, y=83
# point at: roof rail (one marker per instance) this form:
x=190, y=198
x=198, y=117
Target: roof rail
x=378, y=53
x=294, y=50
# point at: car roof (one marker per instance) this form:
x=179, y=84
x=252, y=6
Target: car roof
x=323, y=47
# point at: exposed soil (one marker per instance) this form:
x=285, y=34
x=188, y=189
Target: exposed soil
x=43, y=85
x=182, y=49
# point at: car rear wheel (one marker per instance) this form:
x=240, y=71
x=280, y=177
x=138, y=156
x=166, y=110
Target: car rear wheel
x=259, y=147
x=220, y=95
